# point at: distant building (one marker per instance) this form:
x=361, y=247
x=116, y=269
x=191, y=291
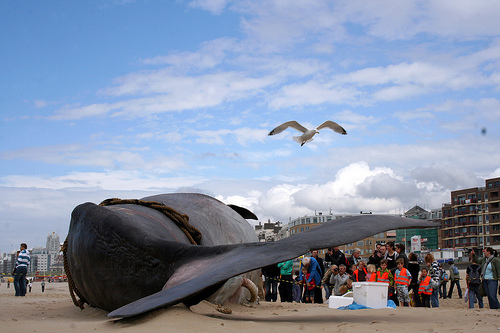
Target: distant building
x=47, y=258
x=472, y=218
x=429, y=236
x=53, y=245
x=269, y=231
x=366, y=245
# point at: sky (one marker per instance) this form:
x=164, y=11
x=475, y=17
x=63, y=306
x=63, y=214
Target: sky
x=110, y=98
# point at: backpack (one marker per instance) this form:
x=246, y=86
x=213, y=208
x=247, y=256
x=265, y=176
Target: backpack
x=474, y=276
x=445, y=277
x=455, y=270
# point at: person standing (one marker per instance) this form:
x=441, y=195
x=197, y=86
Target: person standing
x=425, y=288
x=400, y=250
x=454, y=279
x=318, y=292
x=473, y=280
x=414, y=268
x=271, y=273
x=337, y=257
x=444, y=281
x=43, y=285
x=375, y=258
x=313, y=269
x=286, y=281
x=490, y=272
x=22, y=263
x=391, y=256
x=402, y=279
x=435, y=275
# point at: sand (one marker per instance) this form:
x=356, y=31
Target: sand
x=53, y=311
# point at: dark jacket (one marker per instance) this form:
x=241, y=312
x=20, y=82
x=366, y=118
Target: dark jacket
x=271, y=270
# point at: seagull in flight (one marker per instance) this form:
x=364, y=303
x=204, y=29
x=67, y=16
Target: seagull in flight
x=308, y=133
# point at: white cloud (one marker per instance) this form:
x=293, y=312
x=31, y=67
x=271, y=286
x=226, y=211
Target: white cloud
x=213, y=6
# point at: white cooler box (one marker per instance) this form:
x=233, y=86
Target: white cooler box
x=370, y=294
x=335, y=302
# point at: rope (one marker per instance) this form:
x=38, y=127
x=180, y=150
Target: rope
x=181, y=220
x=71, y=284
x=291, y=281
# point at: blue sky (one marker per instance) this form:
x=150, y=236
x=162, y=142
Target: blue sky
x=103, y=99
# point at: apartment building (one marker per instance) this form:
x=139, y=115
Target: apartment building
x=472, y=218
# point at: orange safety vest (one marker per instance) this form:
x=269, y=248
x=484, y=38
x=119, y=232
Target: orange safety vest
x=425, y=282
x=356, y=274
x=383, y=278
x=402, y=278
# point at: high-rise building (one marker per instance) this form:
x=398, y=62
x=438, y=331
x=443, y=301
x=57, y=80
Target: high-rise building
x=53, y=245
x=472, y=218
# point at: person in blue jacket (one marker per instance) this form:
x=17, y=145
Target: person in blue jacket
x=314, y=270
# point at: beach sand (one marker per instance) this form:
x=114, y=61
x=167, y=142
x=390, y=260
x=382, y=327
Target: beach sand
x=53, y=311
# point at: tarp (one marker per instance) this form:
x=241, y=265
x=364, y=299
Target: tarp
x=356, y=306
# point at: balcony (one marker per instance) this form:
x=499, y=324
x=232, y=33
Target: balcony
x=469, y=233
x=464, y=201
x=468, y=222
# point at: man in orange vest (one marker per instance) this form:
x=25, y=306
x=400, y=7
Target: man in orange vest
x=402, y=280
x=425, y=288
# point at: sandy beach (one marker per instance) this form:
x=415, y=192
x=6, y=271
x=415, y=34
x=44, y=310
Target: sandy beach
x=53, y=311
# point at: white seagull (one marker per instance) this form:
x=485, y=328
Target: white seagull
x=308, y=133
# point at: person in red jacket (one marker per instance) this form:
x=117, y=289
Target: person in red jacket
x=308, y=286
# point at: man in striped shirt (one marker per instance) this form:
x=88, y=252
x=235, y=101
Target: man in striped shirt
x=21, y=270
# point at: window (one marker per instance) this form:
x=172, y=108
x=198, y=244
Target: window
x=360, y=243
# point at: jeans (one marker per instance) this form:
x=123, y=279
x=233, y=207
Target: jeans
x=455, y=282
x=328, y=292
x=491, y=286
x=271, y=288
x=442, y=289
x=435, y=298
x=20, y=280
x=473, y=294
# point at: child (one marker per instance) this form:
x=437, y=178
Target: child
x=308, y=287
x=403, y=279
x=385, y=275
x=425, y=288
x=372, y=273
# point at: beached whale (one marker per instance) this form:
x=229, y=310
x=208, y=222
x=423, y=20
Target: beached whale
x=130, y=258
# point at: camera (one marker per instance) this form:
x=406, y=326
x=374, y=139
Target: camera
x=335, y=269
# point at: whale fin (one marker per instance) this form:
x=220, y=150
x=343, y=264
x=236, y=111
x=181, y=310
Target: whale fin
x=245, y=213
x=205, y=267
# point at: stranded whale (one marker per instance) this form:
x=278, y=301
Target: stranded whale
x=130, y=258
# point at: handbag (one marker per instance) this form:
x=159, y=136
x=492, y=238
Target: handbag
x=482, y=291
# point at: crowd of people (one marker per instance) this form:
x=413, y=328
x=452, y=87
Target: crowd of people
x=408, y=283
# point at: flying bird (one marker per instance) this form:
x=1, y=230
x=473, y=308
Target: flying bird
x=308, y=133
